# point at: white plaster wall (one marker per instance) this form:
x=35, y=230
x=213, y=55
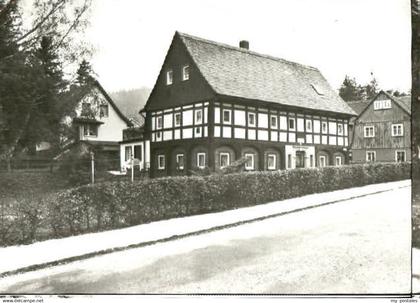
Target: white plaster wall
x=240, y=117
x=291, y=150
x=262, y=120
x=145, y=157
x=113, y=125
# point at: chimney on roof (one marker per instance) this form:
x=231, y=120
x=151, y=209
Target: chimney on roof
x=244, y=44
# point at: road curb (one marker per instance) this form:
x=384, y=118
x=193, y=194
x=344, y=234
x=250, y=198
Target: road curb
x=181, y=236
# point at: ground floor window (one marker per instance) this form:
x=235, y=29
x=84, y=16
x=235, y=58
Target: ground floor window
x=271, y=161
x=370, y=156
x=289, y=161
x=138, y=152
x=249, y=164
x=338, y=161
x=128, y=152
x=400, y=156
x=161, y=161
x=180, y=161
x=224, y=160
x=201, y=160
x=311, y=160
x=322, y=161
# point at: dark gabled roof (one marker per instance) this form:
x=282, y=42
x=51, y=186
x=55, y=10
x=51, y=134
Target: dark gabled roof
x=358, y=106
x=114, y=106
x=403, y=102
x=237, y=72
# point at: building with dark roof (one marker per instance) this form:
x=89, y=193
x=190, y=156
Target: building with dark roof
x=213, y=104
x=382, y=130
x=99, y=124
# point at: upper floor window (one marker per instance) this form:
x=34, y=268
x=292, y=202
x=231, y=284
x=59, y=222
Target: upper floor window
x=199, y=116
x=292, y=124
x=273, y=121
x=227, y=116
x=308, y=125
x=169, y=77
x=397, y=130
x=104, y=110
x=381, y=104
x=252, y=119
x=369, y=131
x=324, y=127
x=90, y=130
x=177, y=119
x=185, y=72
x=159, y=122
x=340, y=129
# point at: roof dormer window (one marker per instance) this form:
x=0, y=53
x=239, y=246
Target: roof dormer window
x=169, y=77
x=317, y=89
x=185, y=72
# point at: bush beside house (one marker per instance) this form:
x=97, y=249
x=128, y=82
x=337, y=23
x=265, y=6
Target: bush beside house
x=111, y=205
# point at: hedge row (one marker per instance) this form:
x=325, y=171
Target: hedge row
x=113, y=205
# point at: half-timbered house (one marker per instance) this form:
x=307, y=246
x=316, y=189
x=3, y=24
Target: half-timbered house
x=382, y=130
x=213, y=104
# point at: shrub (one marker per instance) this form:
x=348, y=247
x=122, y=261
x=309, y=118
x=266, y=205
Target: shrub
x=110, y=205
x=118, y=204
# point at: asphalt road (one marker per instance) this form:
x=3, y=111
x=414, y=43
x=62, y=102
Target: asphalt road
x=357, y=246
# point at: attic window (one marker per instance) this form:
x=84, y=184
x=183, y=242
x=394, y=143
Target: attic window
x=185, y=72
x=381, y=104
x=169, y=77
x=317, y=89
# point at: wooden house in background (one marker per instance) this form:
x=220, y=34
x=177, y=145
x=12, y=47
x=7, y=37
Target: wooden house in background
x=213, y=104
x=358, y=107
x=382, y=131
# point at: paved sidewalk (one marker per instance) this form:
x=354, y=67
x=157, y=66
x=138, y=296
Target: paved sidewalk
x=20, y=257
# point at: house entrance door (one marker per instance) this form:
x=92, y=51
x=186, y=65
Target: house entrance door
x=300, y=159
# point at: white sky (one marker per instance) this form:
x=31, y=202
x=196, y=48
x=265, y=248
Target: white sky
x=354, y=37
